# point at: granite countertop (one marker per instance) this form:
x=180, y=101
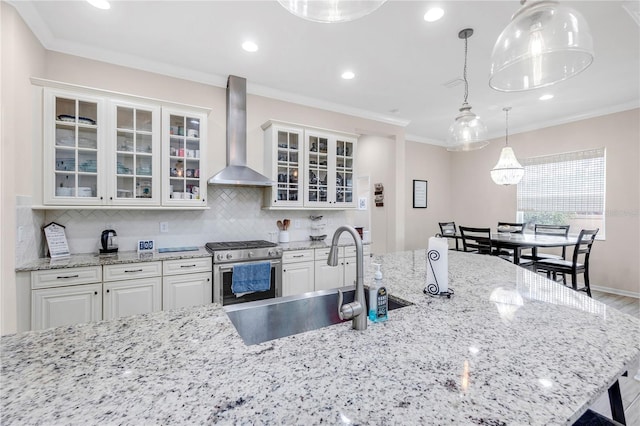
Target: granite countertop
x=307, y=245
x=94, y=259
x=510, y=347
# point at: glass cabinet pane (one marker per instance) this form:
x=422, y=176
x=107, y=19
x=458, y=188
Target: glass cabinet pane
x=344, y=171
x=317, y=182
x=184, y=157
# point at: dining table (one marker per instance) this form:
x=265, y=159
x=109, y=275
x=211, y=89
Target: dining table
x=520, y=241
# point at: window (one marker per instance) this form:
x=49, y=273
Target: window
x=564, y=188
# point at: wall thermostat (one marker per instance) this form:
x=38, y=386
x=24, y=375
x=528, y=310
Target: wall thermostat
x=145, y=246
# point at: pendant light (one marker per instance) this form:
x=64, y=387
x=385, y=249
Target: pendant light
x=467, y=131
x=331, y=11
x=545, y=43
x=508, y=171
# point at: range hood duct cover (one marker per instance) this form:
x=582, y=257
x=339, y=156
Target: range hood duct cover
x=237, y=172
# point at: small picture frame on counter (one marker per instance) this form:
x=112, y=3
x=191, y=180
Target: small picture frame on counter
x=56, y=240
x=146, y=246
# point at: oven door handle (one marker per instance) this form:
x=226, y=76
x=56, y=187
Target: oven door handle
x=230, y=268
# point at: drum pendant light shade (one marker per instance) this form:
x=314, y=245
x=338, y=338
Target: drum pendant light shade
x=467, y=132
x=545, y=43
x=508, y=171
x=331, y=11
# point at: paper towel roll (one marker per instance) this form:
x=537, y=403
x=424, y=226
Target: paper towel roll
x=437, y=265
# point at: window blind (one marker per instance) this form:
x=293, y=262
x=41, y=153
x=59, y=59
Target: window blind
x=571, y=183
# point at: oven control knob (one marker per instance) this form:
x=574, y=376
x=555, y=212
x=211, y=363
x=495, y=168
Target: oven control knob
x=229, y=256
x=250, y=254
x=273, y=253
x=219, y=257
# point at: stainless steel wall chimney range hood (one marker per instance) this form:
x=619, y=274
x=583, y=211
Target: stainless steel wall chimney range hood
x=237, y=172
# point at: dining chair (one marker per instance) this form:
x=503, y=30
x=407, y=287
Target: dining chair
x=477, y=240
x=449, y=230
x=579, y=264
x=554, y=230
x=508, y=228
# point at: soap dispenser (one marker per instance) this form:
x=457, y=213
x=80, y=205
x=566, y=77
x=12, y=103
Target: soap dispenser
x=378, y=299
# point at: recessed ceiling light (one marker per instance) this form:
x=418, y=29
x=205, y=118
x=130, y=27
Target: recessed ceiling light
x=546, y=97
x=250, y=46
x=433, y=14
x=348, y=75
x=100, y=4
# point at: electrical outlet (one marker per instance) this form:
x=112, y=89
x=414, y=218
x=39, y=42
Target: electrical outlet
x=296, y=223
x=164, y=226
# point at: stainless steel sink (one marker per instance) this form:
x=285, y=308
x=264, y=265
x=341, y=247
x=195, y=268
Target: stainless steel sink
x=270, y=319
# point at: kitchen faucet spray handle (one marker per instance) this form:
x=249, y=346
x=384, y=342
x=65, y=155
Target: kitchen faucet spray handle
x=348, y=310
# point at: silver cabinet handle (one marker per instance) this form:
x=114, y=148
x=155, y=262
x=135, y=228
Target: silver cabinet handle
x=68, y=276
x=188, y=266
x=132, y=270
x=298, y=255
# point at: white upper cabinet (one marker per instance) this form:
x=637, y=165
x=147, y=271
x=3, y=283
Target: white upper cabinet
x=313, y=168
x=103, y=149
x=284, y=163
x=74, y=134
x=134, y=166
x=184, y=151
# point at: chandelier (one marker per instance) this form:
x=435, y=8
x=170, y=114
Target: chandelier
x=508, y=171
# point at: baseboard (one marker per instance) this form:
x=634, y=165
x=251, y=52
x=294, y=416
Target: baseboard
x=616, y=291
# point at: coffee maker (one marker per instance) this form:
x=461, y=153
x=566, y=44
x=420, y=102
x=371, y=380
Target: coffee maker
x=109, y=241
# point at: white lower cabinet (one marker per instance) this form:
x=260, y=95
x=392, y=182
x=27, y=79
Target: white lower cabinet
x=65, y=296
x=58, y=306
x=130, y=290
x=186, y=282
x=297, y=272
x=328, y=277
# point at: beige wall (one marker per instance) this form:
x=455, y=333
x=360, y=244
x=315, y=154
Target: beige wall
x=430, y=163
x=477, y=201
x=21, y=56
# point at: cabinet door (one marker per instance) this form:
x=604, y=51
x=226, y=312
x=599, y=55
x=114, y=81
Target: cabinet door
x=344, y=190
x=74, y=127
x=328, y=277
x=181, y=291
x=53, y=307
x=131, y=297
x=134, y=165
x=284, y=164
x=183, y=160
x=318, y=170
x=297, y=278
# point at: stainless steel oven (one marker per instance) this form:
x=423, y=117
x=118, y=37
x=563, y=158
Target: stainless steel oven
x=228, y=254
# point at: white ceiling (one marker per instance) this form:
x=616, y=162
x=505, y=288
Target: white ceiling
x=401, y=62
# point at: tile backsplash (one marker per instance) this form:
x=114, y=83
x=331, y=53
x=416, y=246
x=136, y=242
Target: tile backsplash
x=235, y=213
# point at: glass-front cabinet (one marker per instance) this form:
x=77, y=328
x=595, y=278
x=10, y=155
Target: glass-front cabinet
x=73, y=167
x=136, y=166
x=312, y=168
x=330, y=170
x=183, y=141
x=284, y=162
x=102, y=149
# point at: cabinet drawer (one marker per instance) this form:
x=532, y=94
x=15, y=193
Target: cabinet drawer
x=350, y=251
x=186, y=266
x=297, y=256
x=127, y=271
x=323, y=253
x=66, y=276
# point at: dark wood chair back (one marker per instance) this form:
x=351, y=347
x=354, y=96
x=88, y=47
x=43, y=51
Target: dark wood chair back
x=447, y=228
x=558, y=230
x=512, y=228
x=583, y=247
x=476, y=239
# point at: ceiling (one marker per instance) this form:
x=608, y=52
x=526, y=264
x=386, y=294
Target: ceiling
x=402, y=63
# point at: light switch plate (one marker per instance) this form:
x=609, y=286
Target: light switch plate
x=146, y=246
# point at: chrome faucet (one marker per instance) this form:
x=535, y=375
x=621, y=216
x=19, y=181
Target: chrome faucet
x=356, y=310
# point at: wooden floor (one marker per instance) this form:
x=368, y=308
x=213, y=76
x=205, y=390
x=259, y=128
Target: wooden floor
x=630, y=385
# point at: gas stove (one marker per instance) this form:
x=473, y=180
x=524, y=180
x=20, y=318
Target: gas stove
x=243, y=251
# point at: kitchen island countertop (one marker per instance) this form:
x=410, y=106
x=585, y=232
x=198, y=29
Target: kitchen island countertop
x=510, y=347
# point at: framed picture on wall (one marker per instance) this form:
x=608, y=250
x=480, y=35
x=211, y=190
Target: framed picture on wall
x=419, y=194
